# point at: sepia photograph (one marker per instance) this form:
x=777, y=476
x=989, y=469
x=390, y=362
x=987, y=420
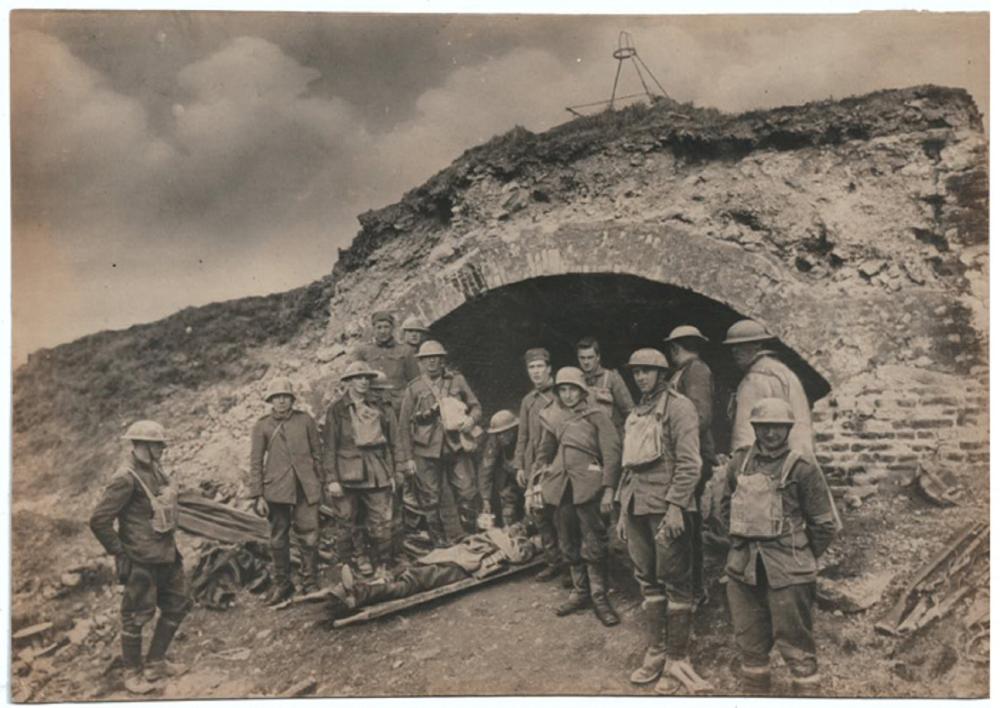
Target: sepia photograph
x=399, y=355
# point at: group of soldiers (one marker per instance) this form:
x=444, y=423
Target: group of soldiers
x=579, y=452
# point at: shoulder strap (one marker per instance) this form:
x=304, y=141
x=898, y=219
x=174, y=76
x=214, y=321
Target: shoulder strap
x=661, y=406
x=746, y=460
x=142, y=484
x=430, y=385
x=604, y=381
x=786, y=469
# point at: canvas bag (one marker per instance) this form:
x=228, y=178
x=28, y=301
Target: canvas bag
x=367, y=424
x=165, y=506
x=643, y=443
x=454, y=413
x=756, y=510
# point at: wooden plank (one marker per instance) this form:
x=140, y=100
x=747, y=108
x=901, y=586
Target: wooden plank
x=386, y=608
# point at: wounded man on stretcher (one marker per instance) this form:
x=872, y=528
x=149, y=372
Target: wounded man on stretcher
x=477, y=556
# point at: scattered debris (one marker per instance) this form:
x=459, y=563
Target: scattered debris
x=854, y=496
x=302, y=688
x=852, y=595
x=81, y=630
x=425, y=654
x=938, y=485
x=34, y=630
x=222, y=569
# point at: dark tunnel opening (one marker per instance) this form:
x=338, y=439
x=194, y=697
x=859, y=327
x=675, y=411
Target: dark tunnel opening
x=487, y=336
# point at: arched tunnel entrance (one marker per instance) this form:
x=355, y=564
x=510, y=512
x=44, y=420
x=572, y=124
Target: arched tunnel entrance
x=486, y=337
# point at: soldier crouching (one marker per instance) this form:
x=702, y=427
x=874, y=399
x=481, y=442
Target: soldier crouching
x=780, y=520
x=143, y=500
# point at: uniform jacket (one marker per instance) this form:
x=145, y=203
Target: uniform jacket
x=529, y=431
x=768, y=377
x=694, y=380
x=808, y=529
x=280, y=453
x=395, y=359
x=124, y=500
x=344, y=461
x=573, y=441
x=497, y=468
x=671, y=479
x=613, y=381
x=421, y=431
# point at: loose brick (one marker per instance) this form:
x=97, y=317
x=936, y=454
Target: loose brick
x=824, y=437
x=932, y=423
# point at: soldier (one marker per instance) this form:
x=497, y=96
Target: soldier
x=415, y=333
x=607, y=387
x=662, y=469
x=438, y=430
x=581, y=453
x=498, y=470
x=765, y=376
x=529, y=434
x=286, y=484
x=143, y=500
x=359, y=459
x=778, y=511
x=693, y=379
x=393, y=358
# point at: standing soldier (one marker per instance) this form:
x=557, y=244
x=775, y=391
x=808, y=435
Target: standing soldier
x=438, y=430
x=529, y=435
x=765, y=376
x=581, y=453
x=777, y=509
x=607, y=387
x=693, y=379
x=359, y=452
x=415, y=333
x=662, y=469
x=498, y=470
x=143, y=499
x=393, y=358
x=286, y=485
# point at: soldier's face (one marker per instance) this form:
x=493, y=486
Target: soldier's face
x=282, y=403
x=383, y=331
x=432, y=365
x=645, y=377
x=589, y=359
x=361, y=384
x=743, y=353
x=149, y=451
x=413, y=337
x=539, y=372
x=673, y=352
x=569, y=394
x=771, y=436
x=508, y=437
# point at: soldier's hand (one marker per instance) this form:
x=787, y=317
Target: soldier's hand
x=335, y=490
x=608, y=501
x=411, y=468
x=123, y=568
x=467, y=425
x=260, y=507
x=672, y=525
x=522, y=479
x=621, y=528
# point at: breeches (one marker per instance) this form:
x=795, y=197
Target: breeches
x=378, y=507
x=155, y=585
x=582, y=532
x=661, y=569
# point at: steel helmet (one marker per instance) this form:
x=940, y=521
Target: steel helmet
x=146, y=431
x=501, y=421
x=747, y=331
x=571, y=375
x=772, y=410
x=431, y=348
x=381, y=381
x=414, y=324
x=685, y=332
x=648, y=357
x=278, y=386
x=356, y=369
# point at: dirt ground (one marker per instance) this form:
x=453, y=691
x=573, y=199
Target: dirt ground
x=504, y=638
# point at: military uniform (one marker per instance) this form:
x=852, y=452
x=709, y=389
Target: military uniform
x=367, y=474
x=529, y=436
x=439, y=455
x=396, y=360
x=581, y=450
x=663, y=567
x=148, y=562
x=286, y=469
x=772, y=580
x=498, y=479
x=768, y=377
x=609, y=391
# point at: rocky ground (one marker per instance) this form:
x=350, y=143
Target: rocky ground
x=501, y=639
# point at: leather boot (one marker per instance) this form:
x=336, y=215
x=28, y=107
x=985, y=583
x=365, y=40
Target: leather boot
x=281, y=586
x=755, y=680
x=579, y=598
x=678, y=639
x=157, y=667
x=309, y=569
x=806, y=685
x=654, y=620
x=549, y=572
x=598, y=576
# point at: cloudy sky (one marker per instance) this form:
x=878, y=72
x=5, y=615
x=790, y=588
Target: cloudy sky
x=162, y=160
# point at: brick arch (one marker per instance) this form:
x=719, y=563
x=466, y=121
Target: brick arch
x=751, y=284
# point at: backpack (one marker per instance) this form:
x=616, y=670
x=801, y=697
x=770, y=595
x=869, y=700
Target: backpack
x=756, y=510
